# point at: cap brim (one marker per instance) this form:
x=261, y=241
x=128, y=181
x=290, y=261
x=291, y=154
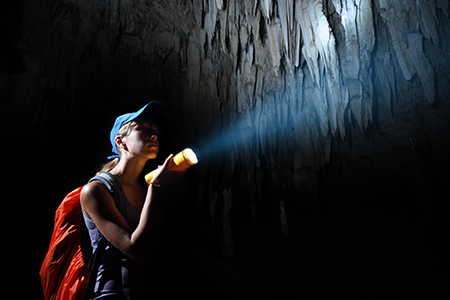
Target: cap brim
x=154, y=112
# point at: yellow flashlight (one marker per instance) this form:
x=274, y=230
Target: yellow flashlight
x=182, y=160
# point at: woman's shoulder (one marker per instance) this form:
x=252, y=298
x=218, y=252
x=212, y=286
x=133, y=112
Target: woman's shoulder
x=95, y=191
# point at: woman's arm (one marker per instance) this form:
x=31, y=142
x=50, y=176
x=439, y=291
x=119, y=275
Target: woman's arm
x=139, y=244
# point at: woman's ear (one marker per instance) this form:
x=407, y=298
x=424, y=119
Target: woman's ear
x=120, y=142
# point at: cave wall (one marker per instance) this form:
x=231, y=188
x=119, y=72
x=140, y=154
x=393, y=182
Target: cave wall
x=322, y=126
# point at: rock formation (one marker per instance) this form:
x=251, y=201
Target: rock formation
x=313, y=119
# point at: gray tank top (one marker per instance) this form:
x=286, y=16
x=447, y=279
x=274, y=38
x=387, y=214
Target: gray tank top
x=109, y=276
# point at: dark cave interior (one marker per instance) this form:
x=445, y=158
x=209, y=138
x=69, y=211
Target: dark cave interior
x=323, y=129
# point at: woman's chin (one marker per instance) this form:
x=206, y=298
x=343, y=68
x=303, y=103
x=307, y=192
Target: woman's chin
x=152, y=155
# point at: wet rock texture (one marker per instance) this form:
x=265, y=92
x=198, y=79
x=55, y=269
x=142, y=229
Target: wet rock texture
x=330, y=117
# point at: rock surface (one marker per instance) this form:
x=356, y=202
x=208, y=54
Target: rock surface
x=319, y=123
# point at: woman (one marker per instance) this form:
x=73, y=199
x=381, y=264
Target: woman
x=134, y=140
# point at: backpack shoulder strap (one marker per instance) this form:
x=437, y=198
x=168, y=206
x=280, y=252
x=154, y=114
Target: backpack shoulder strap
x=114, y=186
x=92, y=265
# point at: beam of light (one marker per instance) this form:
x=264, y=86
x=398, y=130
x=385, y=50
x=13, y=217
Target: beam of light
x=245, y=135
x=230, y=139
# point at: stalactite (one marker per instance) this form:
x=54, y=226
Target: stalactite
x=287, y=84
x=295, y=32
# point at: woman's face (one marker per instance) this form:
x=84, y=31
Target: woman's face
x=143, y=140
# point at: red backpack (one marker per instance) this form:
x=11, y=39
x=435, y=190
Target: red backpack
x=66, y=267
x=64, y=273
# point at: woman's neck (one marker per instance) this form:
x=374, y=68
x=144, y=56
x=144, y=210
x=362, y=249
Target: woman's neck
x=128, y=170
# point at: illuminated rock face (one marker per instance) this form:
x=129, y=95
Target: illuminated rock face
x=292, y=105
x=307, y=66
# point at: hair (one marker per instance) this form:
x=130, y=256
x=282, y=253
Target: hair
x=123, y=132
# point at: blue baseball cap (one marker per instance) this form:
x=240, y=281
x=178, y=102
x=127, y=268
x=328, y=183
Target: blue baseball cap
x=153, y=112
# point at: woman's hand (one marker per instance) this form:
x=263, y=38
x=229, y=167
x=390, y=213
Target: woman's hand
x=166, y=173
